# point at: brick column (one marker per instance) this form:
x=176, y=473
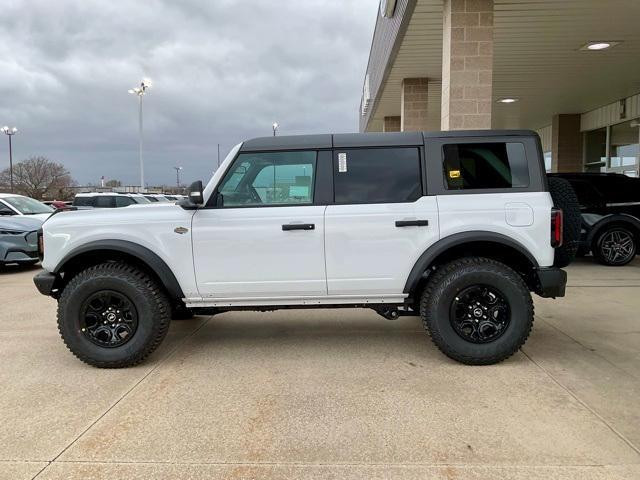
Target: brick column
x=391, y=124
x=413, y=105
x=467, y=64
x=566, y=143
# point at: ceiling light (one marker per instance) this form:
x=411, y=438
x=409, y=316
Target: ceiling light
x=599, y=45
x=507, y=100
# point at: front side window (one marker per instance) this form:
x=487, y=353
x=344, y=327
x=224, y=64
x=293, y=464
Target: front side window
x=268, y=179
x=469, y=166
x=104, y=202
x=377, y=175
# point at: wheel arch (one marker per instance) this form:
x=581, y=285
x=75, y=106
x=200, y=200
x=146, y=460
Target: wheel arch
x=101, y=251
x=622, y=219
x=486, y=244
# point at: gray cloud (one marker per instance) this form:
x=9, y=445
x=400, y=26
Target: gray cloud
x=223, y=71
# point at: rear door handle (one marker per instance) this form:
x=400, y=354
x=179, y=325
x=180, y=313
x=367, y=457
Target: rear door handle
x=298, y=226
x=412, y=223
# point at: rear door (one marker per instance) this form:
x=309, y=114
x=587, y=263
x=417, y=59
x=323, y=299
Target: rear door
x=380, y=222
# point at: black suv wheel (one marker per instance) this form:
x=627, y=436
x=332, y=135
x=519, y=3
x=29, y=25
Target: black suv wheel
x=112, y=315
x=477, y=310
x=615, y=246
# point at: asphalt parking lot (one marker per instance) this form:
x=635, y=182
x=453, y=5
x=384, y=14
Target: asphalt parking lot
x=329, y=394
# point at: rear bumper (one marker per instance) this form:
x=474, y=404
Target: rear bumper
x=45, y=282
x=552, y=282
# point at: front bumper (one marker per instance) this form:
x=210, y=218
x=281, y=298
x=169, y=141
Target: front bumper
x=45, y=283
x=551, y=282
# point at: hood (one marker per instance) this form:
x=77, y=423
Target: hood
x=20, y=223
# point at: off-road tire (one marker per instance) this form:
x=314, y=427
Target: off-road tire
x=153, y=311
x=564, y=197
x=601, y=257
x=443, y=287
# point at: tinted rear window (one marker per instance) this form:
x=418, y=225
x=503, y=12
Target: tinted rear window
x=377, y=175
x=83, y=201
x=485, y=165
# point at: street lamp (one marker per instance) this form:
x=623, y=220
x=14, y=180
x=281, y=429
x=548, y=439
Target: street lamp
x=10, y=132
x=177, y=169
x=275, y=128
x=140, y=92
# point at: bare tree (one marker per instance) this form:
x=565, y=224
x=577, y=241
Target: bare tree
x=40, y=178
x=113, y=183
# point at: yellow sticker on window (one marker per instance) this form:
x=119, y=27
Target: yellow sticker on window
x=454, y=173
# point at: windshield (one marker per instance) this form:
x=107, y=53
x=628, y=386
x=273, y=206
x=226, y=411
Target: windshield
x=141, y=199
x=27, y=206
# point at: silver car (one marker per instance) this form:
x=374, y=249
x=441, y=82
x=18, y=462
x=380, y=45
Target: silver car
x=19, y=240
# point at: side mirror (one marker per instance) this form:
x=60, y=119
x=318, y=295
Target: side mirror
x=194, y=193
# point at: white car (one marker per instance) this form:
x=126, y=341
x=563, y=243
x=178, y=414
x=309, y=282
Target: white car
x=92, y=200
x=12, y=204
x=456, y=227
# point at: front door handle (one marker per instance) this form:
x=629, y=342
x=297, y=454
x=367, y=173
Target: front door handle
x=298, y=226
x=412, y=223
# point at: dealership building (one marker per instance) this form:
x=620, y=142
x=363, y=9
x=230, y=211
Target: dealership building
x=569, y=69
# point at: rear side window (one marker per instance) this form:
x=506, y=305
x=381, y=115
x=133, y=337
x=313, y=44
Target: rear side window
x=124, y=201
x=83, y=202
x=469, y=166
x=377, y=175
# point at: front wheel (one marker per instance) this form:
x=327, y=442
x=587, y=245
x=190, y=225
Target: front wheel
x=615, y=246
x=477, y=310
x=113, y=315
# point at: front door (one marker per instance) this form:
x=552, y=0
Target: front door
x=267, y=238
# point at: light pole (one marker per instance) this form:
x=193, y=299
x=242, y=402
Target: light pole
x=140, y=91
x=275, y=128
x=10, y=132
x=177, y=169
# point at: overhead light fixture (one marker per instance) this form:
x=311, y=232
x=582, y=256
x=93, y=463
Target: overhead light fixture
x=599, y=45
x=508, y=100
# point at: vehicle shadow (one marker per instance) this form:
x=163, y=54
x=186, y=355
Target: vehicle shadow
x=14, y=268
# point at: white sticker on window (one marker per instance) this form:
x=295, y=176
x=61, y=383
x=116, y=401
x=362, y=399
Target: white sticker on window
x=342, y=162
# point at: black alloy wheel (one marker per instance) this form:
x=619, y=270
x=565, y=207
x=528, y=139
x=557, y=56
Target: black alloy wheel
x=480, y=314
x=616, y=247
x=109, y=319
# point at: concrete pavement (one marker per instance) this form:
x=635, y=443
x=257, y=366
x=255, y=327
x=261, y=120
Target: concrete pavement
x=329, y=394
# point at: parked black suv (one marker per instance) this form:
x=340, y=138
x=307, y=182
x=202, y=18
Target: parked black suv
x=610, y=207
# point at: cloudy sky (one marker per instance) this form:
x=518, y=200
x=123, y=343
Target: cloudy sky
x=222, y=71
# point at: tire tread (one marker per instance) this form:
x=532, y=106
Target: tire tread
x=133, y=276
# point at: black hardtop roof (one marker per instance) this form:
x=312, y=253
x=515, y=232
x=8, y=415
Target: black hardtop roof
x=346, y=140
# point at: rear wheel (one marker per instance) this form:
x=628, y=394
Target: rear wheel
x=615, y=246
x=477, y=310
x=112, y=315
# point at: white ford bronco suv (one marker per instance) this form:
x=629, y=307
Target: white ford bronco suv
x=456, y=227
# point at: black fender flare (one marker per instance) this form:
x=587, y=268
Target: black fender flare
x=430, y=254
x=612, y=218
x=143, y=254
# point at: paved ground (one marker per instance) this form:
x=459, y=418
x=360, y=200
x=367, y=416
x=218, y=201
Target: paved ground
x=335, y=394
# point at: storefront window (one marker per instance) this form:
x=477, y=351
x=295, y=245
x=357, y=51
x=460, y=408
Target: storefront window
x=624, y=145
x=595, y=150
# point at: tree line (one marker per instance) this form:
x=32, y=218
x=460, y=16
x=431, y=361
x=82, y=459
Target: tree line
x=39, y=178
